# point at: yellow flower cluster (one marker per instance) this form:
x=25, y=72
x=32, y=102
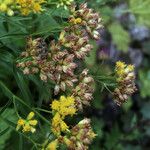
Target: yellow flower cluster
x=122, y=69
x=6, y=6
x=75, y=21
x=24, y=6
x=52, y=145
x=61, y=108
x=125, y=78
x=28, y=6
x=27, y=124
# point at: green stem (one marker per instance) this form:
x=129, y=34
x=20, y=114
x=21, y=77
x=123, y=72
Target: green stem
x=44, y=110
x=16, y=107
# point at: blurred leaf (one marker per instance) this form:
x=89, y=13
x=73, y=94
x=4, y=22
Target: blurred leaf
x=106, y=13
x=127, y=105
x=141, y=9
x=146, y=110
x=120, y=36
x=131, y=147
x=113, y=138
x=98, y=124
x=144, y=82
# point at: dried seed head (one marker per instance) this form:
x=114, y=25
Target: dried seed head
x=125, y=79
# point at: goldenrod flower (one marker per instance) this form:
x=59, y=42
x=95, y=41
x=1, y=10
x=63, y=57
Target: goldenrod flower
x=6, y=6
x=75, y=21
x=125, y=77
x=65, y=106
x=28, y=6
x=62, y=107
x=122, y=70
x=27, y=124
x=58, y=124
x=53, y=145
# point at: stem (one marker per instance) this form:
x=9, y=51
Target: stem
x=16, y=107
x=44, y=110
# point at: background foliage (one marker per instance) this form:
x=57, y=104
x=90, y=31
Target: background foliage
x=126, y=36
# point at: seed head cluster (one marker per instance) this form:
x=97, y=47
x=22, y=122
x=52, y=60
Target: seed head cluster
x=57, y=60
x=126, y=82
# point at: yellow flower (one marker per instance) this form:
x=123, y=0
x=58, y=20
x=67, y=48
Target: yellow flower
x=21, y=122
x=30, y=115
x=75, y=21
x=58, y=124
x=55, y=105
x=131, y=67
x=26, y=128
x=33, y=122
x=65, y=106
x=63, y=126
x=28, y=6
x=120, y=64
x=53, y=145
x=125, y=78
x=61, y=108
x=122, y=70
x=6, y=5
x=3, y=7
x=27, y=124
x=37, y=7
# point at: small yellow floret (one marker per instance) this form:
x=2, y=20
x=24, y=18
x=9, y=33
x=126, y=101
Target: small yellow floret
x=33, y=122
x=21, y=122
x=131, y=67
x=30, y=115
x=26, y=128
x=120, y=64
x=53, y=145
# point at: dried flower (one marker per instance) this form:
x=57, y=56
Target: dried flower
x=90, y=20
x=125, y=79
x=81, y=136
x=84, y=90
x=28, y=124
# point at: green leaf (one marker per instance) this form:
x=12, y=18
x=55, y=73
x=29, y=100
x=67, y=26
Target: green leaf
x=107, y=14
x=141, y=9
x=120, y=36
x=144, y=76
x=146, y=110
x=5, y=130
x=23, y=86
x=112, y=138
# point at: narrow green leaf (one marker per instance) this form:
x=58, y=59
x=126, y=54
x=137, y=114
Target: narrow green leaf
x=4, y=131
x=23, y=86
